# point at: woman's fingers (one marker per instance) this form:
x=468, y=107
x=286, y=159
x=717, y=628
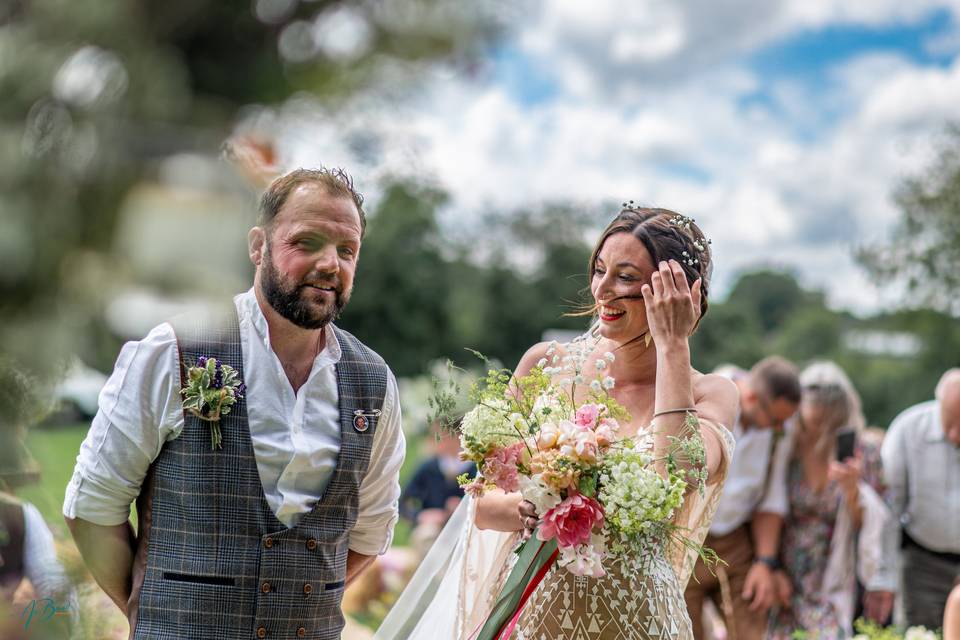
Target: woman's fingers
x=696, y=294
x=679, y=278
x=656, y=281
x=666, y=274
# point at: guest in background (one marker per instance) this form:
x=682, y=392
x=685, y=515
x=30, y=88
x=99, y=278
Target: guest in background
x=833, y=495
x=433, y=492
x=921, y=459
x=746, y=529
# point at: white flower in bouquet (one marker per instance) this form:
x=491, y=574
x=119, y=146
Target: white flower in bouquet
x=585, y=559
x=634, y=495
x=536, y=490
x=919, y=633
x=487, y=425
x=548, y=407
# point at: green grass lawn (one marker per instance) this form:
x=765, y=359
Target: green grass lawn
x=55, y=450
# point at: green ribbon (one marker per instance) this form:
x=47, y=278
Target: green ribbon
x=533, y=555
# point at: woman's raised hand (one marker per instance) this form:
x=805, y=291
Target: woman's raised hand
x=673, y=307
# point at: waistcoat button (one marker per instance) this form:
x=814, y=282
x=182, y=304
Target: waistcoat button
x=262, y=632
x=265, y=587
x=308, y=588
x=311, y=544
x=301, y=632
x=268, y=543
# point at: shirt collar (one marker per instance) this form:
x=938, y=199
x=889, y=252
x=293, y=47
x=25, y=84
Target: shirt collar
x=249, y=308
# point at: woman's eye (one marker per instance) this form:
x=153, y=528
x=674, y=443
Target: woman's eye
x=346, y=251
x=626, y=278
x=599, y=272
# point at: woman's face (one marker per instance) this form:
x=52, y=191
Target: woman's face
x=622, y=267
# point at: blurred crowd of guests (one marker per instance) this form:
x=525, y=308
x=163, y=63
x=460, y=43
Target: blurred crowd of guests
x=824, y=520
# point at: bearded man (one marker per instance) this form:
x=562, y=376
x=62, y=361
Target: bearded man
x=250, y=521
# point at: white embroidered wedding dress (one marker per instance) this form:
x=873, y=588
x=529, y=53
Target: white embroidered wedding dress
x=458, y=582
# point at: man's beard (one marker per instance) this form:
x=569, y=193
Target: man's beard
x=288, y=301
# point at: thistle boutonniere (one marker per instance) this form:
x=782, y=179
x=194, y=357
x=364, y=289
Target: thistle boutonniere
x=212, y=390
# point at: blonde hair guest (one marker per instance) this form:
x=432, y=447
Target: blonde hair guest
x=834, y=494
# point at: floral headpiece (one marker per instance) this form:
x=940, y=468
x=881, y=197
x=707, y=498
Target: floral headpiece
x=683, y=222
x=700, y=244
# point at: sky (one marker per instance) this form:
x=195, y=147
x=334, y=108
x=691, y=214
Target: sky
x=782, y=126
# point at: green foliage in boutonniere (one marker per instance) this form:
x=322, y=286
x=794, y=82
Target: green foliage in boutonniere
x=212, y=390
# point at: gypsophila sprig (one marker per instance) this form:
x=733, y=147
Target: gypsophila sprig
x=211, y=391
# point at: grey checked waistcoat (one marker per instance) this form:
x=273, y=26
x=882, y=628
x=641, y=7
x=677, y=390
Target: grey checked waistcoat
x=214, y=561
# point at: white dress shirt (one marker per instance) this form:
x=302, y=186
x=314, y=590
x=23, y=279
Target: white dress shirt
x=747, y=490
x=296, y=436
x=922, y=472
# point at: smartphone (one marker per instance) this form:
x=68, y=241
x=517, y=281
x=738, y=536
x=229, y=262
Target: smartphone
x=845, y=444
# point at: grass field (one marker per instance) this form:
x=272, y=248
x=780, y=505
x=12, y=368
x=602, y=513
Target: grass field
x=55, y=450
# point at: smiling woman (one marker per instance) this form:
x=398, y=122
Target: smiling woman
x=649, y=274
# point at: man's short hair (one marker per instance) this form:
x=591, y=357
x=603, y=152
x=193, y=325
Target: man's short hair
x=778, y=377
x=337, y=182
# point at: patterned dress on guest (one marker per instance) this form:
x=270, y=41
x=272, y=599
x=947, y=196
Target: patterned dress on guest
x=805, y=550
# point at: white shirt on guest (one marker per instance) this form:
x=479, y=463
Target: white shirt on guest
x=921, y=469
x=296, y=436
x=747, y=490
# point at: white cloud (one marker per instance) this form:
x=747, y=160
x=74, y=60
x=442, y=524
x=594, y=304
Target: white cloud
x=658, y=115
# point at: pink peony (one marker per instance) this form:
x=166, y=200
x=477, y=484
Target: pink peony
x=571, y=521
x=587, y=415
x=500, y=467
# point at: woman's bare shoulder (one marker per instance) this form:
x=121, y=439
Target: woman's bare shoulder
x=717, y=391
x=534, y=354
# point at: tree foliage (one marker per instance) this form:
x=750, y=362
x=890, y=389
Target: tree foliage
x=924, y=250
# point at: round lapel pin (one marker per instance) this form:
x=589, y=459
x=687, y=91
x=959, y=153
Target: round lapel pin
x=360, y=423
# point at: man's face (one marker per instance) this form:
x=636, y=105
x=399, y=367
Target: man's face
x=309, y=255
x=765, y=411
x=950, y=413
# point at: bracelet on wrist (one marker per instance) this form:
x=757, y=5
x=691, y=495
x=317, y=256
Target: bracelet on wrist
x=680, y=410
x=771, y=561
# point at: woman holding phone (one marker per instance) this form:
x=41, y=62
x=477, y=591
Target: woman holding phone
x=834, y=483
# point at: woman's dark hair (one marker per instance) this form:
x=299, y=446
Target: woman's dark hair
x=666, y=235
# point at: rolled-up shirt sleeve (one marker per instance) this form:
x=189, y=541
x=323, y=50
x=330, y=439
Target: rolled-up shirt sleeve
x=776, y=499
x=139, y=410
x=380, y=490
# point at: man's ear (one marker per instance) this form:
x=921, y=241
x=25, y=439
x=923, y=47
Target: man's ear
x=256, y=244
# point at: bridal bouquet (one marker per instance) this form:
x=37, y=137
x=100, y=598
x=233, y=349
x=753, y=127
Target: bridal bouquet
x=553, y=435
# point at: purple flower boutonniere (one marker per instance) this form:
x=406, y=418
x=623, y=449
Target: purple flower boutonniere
x=212, y=390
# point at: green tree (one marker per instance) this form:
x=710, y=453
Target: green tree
x=98, y=94
x=771, y=297
x=400, y=302
x=924, y=249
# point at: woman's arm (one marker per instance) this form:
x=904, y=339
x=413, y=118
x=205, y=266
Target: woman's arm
x=673, y=308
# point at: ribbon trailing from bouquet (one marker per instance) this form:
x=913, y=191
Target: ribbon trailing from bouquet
x=534, y=560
